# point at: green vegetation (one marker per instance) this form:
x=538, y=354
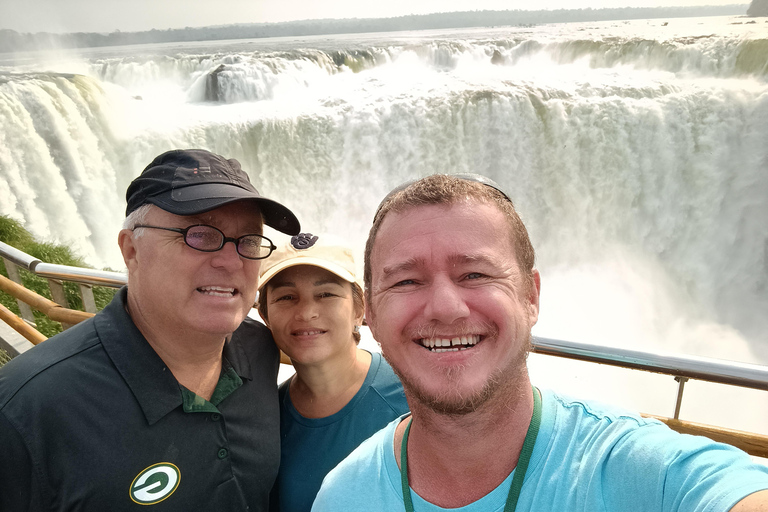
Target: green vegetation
x=4, y=357
x=14, y=234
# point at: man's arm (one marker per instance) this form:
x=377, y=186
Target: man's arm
x=15, y=470
x=756, y=502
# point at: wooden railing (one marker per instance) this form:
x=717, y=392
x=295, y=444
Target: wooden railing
x=681, y=368
x=56, y=309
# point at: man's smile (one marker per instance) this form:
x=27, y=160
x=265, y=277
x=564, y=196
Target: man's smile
x=450, y=344
x=218, y=291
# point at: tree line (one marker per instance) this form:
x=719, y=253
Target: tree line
x=12, y=41
x=758, y=8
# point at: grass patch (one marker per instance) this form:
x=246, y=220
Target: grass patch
x=14, y=234
x=4, y=357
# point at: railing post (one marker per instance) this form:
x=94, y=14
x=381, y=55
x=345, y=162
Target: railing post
x=59, y=297
x=86, y=293
x=13, y=275
x=681, y=384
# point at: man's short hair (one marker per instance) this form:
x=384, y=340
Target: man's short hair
x=444, y=189
x=137, y=217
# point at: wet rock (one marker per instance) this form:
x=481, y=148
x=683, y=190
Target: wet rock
x=212, y=84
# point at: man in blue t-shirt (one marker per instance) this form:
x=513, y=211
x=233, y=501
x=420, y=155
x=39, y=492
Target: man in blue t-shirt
x=452, y=295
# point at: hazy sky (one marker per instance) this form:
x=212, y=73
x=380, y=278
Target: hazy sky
x=133, y=15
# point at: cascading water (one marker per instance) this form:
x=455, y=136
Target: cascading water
x=636, y=152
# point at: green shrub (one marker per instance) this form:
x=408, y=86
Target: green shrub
x=14, y=234
x=4, y=357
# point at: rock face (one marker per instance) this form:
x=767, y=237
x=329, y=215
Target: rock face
x=758, y=8
x=212, y=84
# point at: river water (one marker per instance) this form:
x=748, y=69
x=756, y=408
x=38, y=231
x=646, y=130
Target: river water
x=636, y=152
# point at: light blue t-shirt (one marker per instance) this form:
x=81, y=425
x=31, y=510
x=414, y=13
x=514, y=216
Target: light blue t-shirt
x=311, y=447
x=587, y=458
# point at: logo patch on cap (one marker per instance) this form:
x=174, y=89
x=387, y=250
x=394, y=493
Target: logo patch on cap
x=303, y=241
x=194, y=170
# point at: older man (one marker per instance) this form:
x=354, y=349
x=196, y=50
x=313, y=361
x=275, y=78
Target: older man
x=150, y=403
x=452, y=297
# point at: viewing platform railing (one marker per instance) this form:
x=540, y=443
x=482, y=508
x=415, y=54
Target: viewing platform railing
x=680, y=367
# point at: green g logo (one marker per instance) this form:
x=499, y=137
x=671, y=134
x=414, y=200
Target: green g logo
x=155, y=483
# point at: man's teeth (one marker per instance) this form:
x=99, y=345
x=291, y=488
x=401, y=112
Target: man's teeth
x=217, y=291
x=450, y=344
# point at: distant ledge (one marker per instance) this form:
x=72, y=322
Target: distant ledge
x=12, y=41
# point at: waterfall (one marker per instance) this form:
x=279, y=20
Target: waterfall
x=636, y=153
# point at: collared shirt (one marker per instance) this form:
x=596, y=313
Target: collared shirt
x=93, y=419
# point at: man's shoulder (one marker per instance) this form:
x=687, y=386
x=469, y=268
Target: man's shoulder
x=253, y=340
x=251, y=330
x=594, y=411
x=58, y=354
x=603, y=430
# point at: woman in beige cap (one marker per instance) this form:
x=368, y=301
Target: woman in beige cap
x=341, y=394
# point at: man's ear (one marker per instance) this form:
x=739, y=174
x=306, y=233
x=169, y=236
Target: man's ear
x=533, y=298
x=127, y=248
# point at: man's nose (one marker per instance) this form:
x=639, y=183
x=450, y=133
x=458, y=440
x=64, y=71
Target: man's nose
x=227, y=256
x=445, y=301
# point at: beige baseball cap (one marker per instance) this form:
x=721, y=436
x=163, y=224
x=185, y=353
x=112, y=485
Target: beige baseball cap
x=324, y=251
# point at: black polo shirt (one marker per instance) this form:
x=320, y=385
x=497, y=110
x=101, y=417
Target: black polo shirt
x=92, y=419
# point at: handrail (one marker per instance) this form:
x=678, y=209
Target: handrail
x=80, y=275
x=48, y=307
x=18, y=257
x=20, y=326
x=62, y=272
x=693, y=367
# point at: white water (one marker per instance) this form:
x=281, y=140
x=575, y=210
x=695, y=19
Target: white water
x=637, y=154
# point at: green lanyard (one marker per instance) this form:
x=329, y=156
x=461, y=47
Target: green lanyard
x=522, y=462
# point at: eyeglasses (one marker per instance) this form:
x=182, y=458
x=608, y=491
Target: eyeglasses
x=209, y=239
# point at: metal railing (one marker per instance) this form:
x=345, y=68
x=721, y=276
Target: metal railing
x=85, y=278
x=16, y=260
x=78, y=275
x=680, y=367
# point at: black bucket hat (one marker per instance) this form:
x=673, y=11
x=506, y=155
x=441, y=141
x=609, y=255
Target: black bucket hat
x=193, y=181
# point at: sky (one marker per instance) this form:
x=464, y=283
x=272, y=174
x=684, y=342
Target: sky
x=60, y=16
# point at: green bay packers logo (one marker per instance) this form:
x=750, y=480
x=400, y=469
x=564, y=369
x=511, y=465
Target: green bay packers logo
x=155, y=483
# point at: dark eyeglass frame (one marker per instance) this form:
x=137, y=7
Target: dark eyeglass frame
x=224, y=239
